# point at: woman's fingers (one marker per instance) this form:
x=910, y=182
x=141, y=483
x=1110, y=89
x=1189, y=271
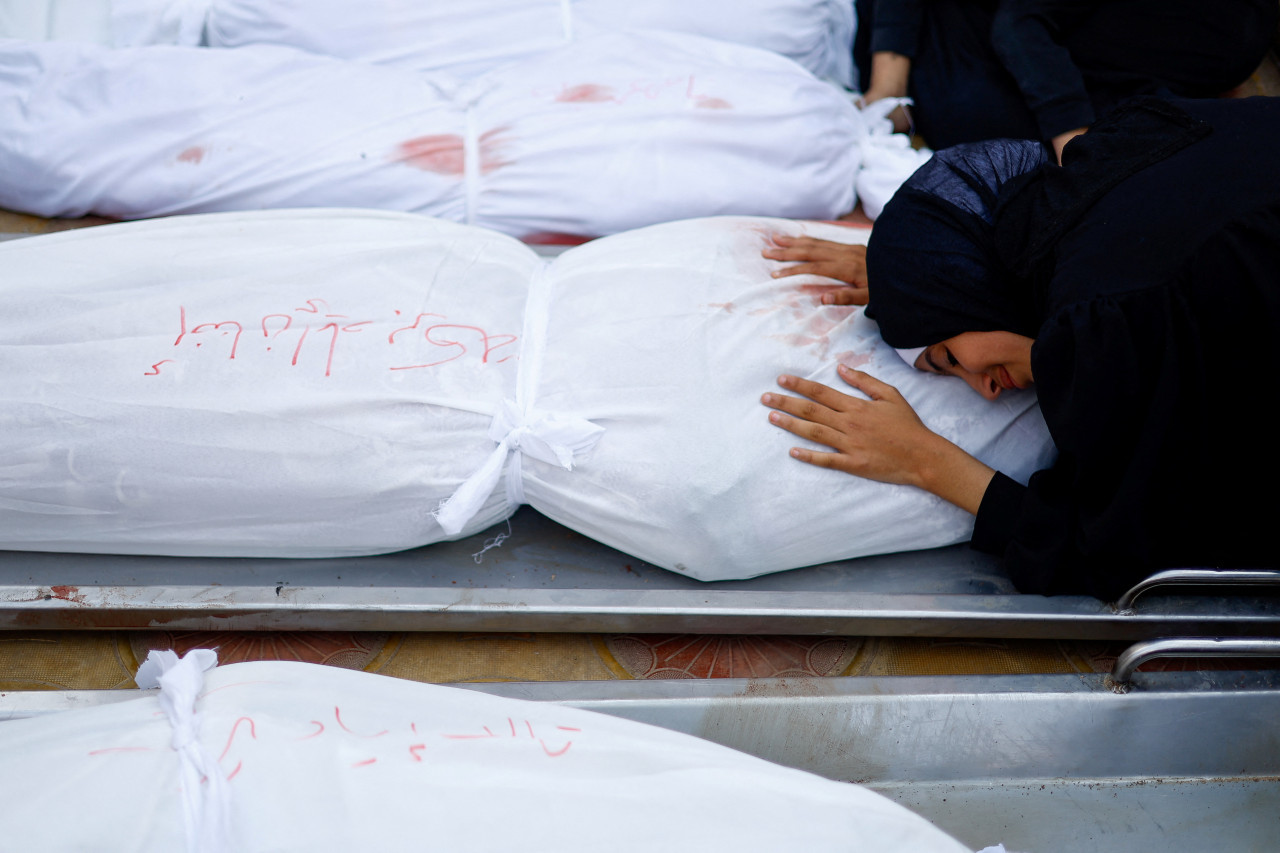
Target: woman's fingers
x=820, y=458
x=868, y=384
x=826, y=258
x=829, y=397
x=819, y=433
x=846, y=296
x=821, y=394
x=802, y=417
x=811, y=248
x=826, y=269
x=881, y=438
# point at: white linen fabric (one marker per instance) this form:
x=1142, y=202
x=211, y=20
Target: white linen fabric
x=288, y=384
x=439, y=35
x=690, y=475
x=604, y=135
x=88, y=21
x=318, y=758
x=308, y=383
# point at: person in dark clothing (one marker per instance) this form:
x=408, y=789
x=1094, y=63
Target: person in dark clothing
x=1045, y=69
x=1138, y=287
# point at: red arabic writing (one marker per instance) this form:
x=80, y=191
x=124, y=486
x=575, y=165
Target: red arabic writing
x=431, y=340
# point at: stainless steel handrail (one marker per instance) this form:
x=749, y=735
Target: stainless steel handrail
x=1198, y=577
x=1188, y=647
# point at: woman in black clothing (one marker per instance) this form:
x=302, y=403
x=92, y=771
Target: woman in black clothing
x=1138, y=287
x=1044, y=69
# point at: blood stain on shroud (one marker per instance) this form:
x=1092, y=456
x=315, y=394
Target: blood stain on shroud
x=443, y=153
x=852, y=359
x=446, y=153
x=585, y=93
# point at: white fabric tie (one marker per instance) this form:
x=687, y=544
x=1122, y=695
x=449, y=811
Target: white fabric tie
x=519, y=427
x=464, y=95
x=546, y=437
x=205, y=797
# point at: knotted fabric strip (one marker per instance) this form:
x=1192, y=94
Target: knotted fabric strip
x=519, y=427
x=205, y=796
x=546, y=437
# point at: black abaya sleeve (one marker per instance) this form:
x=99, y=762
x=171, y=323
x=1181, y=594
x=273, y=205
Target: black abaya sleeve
x=896, y=26
x=1029, y=36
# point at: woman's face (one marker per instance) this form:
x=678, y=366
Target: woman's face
x=991, y=362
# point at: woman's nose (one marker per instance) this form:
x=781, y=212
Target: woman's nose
x=983, y=384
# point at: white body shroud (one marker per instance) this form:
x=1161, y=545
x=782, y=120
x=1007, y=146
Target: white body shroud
x=300, y=757
x=440, y=34
x=445, y=35
x=317, y=383
x=610, y=133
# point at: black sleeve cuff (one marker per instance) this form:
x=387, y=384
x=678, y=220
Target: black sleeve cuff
x=895, y=26
x=1068, y=113
x=896, y=37
x=998, y=514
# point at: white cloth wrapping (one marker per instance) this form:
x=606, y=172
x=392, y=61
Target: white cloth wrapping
x=65, y=20
x=293, y=384
x=605, y=135
x=382, y=360
x=690, y=474
x=467, y=37
x=324, y=759
x=887, y=157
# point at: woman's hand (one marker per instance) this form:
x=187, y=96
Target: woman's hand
x=880, y=439
x=825, y=258
x=890, y=73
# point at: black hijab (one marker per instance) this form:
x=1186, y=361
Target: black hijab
x=962, y=246
x=932, y=263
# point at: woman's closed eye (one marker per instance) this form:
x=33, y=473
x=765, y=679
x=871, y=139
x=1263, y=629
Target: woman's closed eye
x=934, y=366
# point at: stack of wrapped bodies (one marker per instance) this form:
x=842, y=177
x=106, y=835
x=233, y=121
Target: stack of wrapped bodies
x=441, y=35
x=612, y=130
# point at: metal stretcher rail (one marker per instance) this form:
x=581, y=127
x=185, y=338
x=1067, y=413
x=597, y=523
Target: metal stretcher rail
x=546, y=578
